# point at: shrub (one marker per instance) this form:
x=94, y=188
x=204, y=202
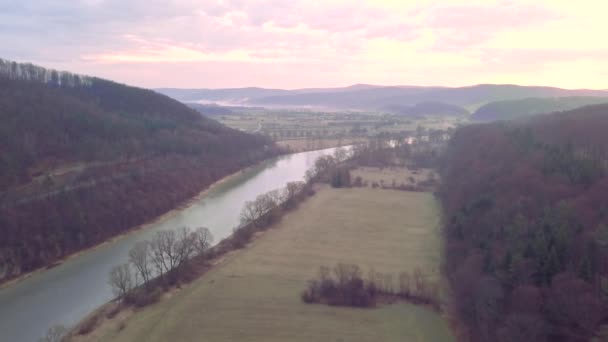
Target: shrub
x=144, y=296
x=88, y=324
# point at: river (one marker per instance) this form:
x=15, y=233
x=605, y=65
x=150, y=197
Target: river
x=66, y=293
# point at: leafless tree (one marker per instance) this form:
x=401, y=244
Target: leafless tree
x=292, y=189
x=184, y=246
x=346, y=272
x=249, y=212
x=163, y=252
x=263, y=204
x=121, y=280
x=139, y=256
x=170, y=249
x=203, y=240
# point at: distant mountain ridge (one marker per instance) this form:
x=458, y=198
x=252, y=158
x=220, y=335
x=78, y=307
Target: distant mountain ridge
x=374, y=97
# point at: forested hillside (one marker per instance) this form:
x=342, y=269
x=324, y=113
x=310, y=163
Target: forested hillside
x=511, y=109
x=526, y=223
x=83, y=159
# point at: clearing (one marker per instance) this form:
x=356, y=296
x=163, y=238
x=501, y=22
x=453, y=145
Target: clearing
x=393, y=174
x=254, y=294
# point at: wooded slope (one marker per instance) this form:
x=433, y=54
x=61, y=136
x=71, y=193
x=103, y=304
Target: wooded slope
x=526, y=222
x=83, y=159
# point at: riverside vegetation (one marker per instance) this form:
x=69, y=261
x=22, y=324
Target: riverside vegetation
x=257, y=216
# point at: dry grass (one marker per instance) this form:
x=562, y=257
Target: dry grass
x=254, y=294
x=401, y=175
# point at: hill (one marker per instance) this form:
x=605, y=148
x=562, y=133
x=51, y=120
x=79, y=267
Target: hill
x=228, y=96
x=240, y=96
x=526, y=225
x=510, y=109
x=210, y=110
x=374, y=97
x=84, y=159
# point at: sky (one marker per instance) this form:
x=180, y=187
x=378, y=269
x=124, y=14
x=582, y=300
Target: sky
x=307, y=43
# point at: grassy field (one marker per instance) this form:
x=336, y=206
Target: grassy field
x=254, y=294
x=285, y=124
x=400, y=175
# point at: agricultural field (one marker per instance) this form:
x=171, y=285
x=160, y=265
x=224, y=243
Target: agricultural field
x=254, y=293
x=393, y=175
x=306, y=125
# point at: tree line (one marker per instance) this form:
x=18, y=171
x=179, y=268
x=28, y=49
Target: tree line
x=345, y=285
x=162, y=258
x=525, y=221
x=166, y=259
x=85, y=162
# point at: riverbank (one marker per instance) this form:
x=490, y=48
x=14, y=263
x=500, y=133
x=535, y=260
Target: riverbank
x=306, y=145
x=135, y=229
x=65, y=294
x=253, y=294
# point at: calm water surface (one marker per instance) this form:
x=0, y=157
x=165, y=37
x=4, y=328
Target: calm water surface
x=68, y=292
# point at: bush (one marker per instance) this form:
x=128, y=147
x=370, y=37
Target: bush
x=144, y=296
x=344, y=288
x=88, y=324
x=113, y=311
x=241, y=236
x=340, y=178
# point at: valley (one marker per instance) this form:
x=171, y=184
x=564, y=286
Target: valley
x=254, y=294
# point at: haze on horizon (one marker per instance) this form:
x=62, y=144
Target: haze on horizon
x=299, y=43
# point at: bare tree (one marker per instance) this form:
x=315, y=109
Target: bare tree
x=291, y=191
x=344, y=273
x=203, y=240
x=163, y=254
x=121, y=280
x=170, y=249
x=139, y=256
x=249, y=212
x=184, y=246
x=264, y=203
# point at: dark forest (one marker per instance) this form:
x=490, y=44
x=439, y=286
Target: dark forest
x=526, y=210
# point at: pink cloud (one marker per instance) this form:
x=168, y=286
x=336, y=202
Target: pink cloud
x=459, y=27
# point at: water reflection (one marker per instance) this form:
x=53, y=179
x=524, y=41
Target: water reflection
x=68, y=292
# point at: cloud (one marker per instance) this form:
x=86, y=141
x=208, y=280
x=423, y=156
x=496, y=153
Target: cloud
x=300, y=41
x=98, y=27
x=463, y=26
